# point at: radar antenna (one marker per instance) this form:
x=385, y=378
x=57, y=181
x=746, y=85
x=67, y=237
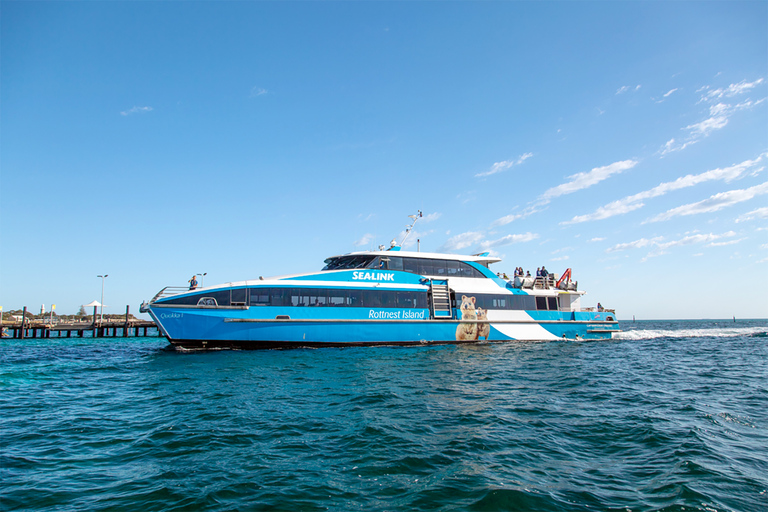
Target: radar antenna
x=409, y=228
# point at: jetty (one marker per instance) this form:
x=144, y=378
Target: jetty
x=109, y=328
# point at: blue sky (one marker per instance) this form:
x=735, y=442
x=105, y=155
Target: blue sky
x=155, y=140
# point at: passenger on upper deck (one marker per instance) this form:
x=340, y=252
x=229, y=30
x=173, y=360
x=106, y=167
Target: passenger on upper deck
x=193, y=283
x=544, y=272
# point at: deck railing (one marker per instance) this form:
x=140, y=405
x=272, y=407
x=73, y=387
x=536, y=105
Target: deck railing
x=169, y=291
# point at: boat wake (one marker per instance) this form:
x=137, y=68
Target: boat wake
x=713, y=332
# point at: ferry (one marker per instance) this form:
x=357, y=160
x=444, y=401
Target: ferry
x=387, y=296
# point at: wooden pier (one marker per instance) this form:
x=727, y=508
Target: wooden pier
x=128, y=327
x=135, y=328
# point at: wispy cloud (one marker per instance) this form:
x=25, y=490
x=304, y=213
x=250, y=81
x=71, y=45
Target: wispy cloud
x=461, y=241
x=713, y=203
x=660, y=246
x=507, y=240
x=527, y=212
x=635, y=201
x=258, y=91
x=719, y=114
x=575, y=183
x=477, y=238
x=584, y=180
x=365, y=240
x=135, y=110
x=730, y=242
x=626, y=88
x=637, y=244
x=669, y=93
x=760, y=213
x=503, y=166
x=431, y=217
x=666, y=95
x=730, y=91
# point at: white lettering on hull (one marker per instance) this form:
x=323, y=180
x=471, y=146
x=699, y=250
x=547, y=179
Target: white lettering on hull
x=396, y=315
x=373, y=276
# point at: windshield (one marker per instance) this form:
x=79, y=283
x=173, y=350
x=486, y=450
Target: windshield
x=347, y=262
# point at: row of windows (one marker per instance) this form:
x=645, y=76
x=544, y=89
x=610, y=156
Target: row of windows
x=511, y=302
x=296, y=297
x=421, y=266
x=265, y=296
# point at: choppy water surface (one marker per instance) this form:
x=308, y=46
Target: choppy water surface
x=671, y=416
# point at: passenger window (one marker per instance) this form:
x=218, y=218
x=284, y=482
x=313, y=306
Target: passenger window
x=426, y=268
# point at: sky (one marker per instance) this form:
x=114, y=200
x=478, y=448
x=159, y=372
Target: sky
x=151, y=141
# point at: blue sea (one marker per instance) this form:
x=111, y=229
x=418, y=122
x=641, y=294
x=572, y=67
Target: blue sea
x=670, y=415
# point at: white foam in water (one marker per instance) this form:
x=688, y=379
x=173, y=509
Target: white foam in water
x=714, y=332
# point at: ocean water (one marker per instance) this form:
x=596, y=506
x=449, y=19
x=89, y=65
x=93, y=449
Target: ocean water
x=671, y=415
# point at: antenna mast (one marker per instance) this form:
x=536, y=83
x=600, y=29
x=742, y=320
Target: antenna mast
x=409, y=228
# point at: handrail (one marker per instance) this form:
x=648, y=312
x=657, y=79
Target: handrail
x=169, y=291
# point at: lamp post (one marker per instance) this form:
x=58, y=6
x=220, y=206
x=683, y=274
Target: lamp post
x=101, y=317
x=202, y=279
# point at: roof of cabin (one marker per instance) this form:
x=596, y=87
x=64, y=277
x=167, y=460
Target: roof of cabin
x=483, y=259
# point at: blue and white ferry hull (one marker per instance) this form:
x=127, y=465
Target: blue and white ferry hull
x=461, y=301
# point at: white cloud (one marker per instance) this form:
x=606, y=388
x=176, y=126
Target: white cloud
x=713, y=203
x=365, y=240
x=584, y=180
x=461, y=241
x=507, y=240
x=258, y=91
x=576, y=182
x=637, y=244
x=634, y=202
x=660, y=246
x=760, y=213
x=431, y=217
x=503, y=166
x=597, y=239
x=625, y=88
x=667, y=94
x=527, y=212
x=719, y=113
x=671, y=146
x=135, y=110
x=695, y=239
x=730, y=242
x=731, y=90
x=717, y=120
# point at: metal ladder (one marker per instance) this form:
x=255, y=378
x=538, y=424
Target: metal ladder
x=441, y=299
